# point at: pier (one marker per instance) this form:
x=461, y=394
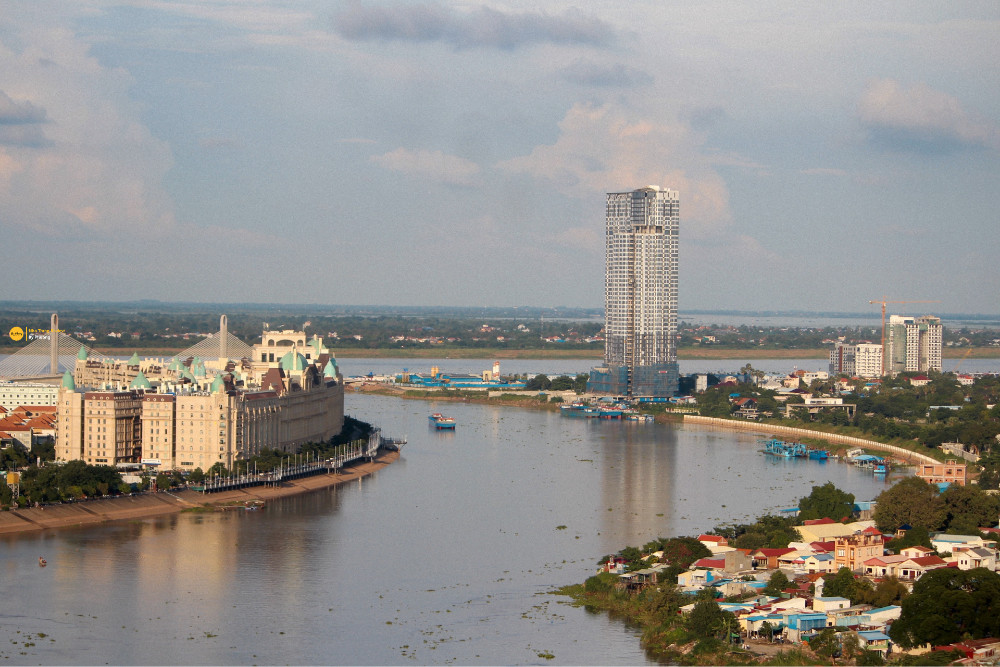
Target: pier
x=298, y=466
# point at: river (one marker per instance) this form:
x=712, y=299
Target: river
x=447, y=556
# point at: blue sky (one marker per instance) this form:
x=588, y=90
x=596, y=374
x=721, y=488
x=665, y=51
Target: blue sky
x=446, y=153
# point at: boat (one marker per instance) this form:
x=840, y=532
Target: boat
x=784, y=449
x=609, y=413
x=42, y=562
x=881, y=469
x=819, y=454
x=441, y=422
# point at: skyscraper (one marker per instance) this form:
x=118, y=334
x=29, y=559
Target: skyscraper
x=913, y=344
x=640, y=295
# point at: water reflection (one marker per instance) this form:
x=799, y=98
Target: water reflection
x=445, y=556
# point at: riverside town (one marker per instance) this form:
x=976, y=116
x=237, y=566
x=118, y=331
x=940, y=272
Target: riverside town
x=247, y=433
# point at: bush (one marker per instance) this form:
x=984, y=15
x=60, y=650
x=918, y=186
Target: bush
x=600, y=583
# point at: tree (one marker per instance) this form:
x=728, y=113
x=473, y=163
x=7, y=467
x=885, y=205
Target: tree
x=840, y=585
x=969, y=508
x=197, y=476
x=826, y=501
x=777, y=583
x=682, y=551
x=914, y=537
x=540, y=382
x=948, y=604
x=826, y=644
x=707, y=619
x=911, y=501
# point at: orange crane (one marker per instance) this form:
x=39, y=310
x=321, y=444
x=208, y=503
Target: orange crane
x=883, y=302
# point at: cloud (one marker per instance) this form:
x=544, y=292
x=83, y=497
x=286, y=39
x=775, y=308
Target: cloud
x=482, y=27
x=589, y=73
x=921, y=119
x=431, y=165
x=601, y=150
x=97, y=169
x=20, y=123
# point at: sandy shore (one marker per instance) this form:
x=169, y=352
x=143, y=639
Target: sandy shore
x=155, y=504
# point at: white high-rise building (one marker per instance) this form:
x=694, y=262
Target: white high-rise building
x=913, y=344
x=640, y=294
x=860, y=359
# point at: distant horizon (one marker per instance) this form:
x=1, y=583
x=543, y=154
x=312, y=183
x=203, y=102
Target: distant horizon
x=54, y=305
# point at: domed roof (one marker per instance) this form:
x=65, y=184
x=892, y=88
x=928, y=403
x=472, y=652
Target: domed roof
x=67, y=379
x=199, y=370
x=82, y=354
x=134, y=359
x=140, y=382
x=317, y=345
x=218, y=384
x=175, y=365
x=293, y=361
x=330, y=370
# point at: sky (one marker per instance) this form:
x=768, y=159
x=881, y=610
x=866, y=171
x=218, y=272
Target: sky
x=459, y=153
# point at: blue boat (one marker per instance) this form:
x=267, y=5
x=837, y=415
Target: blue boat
x=819, y=454
x=442, y=423
x=788, y=450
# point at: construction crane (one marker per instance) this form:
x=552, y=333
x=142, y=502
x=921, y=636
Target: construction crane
x=883, y=302
x=961, y=361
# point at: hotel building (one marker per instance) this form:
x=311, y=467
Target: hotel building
x=640, y=295
x=285, y=393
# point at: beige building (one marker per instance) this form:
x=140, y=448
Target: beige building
x=183, y=417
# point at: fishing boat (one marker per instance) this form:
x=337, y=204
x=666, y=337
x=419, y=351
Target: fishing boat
x=788, y=450
x=442, y=423
x=819, y=454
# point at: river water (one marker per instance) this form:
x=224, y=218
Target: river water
x=446, y=556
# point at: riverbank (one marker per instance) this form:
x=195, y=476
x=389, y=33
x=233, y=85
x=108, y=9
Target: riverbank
x=88, y=513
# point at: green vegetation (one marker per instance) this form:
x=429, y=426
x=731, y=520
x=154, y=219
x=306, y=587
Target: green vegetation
x=897, y=413
x=914, y=502
x=948, y=605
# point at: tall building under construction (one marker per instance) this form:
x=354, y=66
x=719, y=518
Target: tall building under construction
x=640, y=295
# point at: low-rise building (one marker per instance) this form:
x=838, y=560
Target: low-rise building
x=951, y=472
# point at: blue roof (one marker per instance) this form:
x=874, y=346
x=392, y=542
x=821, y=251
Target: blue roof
x=881, y=609
x=873, y=635
x=868, y=457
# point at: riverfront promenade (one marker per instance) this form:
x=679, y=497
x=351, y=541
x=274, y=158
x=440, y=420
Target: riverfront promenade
x=91, y=512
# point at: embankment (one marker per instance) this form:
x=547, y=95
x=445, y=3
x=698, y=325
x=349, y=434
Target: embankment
x=91, y=512
x=846, y=440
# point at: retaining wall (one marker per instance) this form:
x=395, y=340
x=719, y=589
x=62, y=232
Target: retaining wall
x=851, y=441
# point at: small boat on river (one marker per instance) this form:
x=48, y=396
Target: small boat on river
x=442, y=423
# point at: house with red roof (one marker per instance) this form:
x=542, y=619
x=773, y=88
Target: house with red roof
x=768, y=558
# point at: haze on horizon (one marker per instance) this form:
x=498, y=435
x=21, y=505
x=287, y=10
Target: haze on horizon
x=459, y=153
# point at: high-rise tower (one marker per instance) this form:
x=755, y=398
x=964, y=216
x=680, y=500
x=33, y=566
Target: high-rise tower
x=640, y=295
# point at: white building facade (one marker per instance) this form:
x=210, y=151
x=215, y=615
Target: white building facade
x=640, y=298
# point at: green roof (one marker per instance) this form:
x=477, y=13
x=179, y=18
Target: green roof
x=82, y=354
x=140, y=382
x=218, y=384
x=330, y=370
x=293, y=361
x=67, y=379
x=134, y=359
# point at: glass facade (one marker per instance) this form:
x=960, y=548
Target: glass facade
x=640, y=298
